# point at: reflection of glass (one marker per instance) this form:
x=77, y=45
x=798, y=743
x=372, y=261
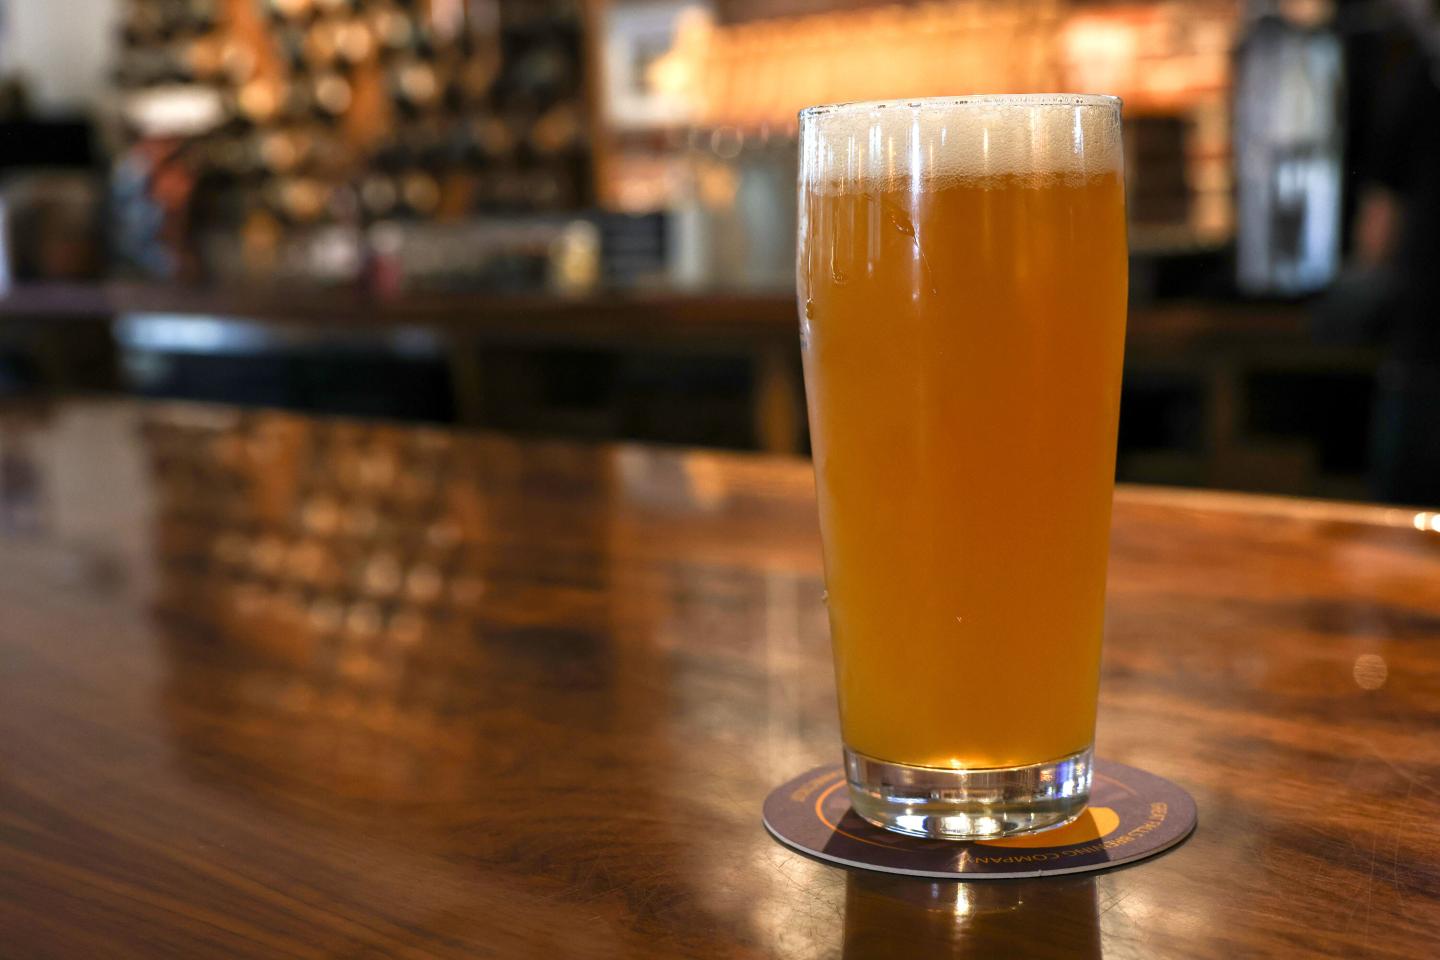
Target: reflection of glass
x=888, y=916
x=340, y=599
x=963, y=282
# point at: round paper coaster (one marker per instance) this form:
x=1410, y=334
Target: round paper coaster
x=1132, y=814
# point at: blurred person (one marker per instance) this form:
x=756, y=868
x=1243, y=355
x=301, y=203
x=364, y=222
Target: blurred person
x=14, y=99
x=1398, y=237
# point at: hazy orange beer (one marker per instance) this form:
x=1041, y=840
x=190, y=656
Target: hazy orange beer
x=962, y=281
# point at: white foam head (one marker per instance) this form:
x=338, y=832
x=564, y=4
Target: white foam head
x=889, y=143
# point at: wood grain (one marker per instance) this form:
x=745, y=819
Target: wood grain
x=281, y=687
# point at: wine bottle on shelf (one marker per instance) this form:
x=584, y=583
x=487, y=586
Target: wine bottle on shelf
x=202, y=57
x=261, y=99
x=290, y=9
x=320, y=50
x=279, y=150
x=392, y=28
x=420, y=191
x=332, y=94
x=414, y=84
x=304, y=199
x=492, y=138
x=556, y=131
x=379, y=196
x=238, y=60
x=354, y=41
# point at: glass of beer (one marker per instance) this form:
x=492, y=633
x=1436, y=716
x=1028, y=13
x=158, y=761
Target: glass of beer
x=962, y=285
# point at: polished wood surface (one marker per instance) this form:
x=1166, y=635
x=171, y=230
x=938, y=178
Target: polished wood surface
x=281, y=687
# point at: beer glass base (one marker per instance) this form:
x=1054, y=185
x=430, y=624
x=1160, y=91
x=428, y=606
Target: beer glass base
x=977, y=804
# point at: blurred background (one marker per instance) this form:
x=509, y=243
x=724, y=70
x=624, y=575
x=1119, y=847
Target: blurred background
x=575, y=218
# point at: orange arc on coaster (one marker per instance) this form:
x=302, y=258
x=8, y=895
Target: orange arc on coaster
x=1093, y=824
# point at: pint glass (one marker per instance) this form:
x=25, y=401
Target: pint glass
x=962, y=289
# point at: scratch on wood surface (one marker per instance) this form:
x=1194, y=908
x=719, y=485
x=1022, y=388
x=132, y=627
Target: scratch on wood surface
x=1370, y=883
x=1404, y=774
x=1114, y=902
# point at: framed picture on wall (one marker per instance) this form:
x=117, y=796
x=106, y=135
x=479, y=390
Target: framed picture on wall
x=637, y=37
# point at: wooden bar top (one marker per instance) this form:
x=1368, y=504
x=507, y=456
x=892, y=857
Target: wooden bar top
x=273, y=686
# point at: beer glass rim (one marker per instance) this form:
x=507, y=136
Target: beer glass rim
x=1090, y=100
